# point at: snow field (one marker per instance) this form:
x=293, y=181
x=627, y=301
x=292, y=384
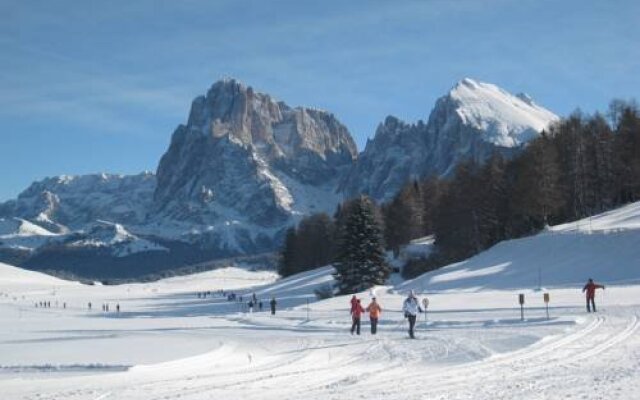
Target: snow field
x=167, y=343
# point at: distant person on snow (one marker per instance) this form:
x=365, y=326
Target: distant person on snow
x=411, y=308
x=250, y=306
x=356, y=314
x=590, y=288
x=273, y=304
x=374, y=311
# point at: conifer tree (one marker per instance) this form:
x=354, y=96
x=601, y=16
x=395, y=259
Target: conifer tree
x=287, y=264
x=361, y=262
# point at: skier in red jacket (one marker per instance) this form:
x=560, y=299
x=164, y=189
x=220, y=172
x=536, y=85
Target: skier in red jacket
x=590, y=288
x=356, y=314
x=354, y=302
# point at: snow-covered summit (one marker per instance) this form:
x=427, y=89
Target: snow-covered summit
x=470, y=122
x=506, y=120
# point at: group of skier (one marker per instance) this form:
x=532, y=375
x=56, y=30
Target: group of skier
x=357, y=310
x=47, y=304
x=411, y=308
x=253, y=302
x=105, y=307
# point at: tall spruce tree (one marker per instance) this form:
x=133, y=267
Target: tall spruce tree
x=361, y=263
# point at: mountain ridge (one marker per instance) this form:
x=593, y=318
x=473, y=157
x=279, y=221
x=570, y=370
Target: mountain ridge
x=245, y=166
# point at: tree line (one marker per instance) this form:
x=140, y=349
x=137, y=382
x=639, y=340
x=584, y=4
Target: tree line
x=580, y=166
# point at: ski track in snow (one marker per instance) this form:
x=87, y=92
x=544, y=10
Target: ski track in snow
x=530, y=372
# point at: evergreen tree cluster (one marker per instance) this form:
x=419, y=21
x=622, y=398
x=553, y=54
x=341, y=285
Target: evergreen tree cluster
x=310, y=245
x=352, y=241
x=580, y=166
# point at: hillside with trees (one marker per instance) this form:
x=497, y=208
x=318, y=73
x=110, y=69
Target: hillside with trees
x=581, y=166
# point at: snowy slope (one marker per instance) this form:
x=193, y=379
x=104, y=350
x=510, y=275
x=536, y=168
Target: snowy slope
x=604, y=247
x=115, y=238
x=11, y=276
x=169, y=343
x=17, y=233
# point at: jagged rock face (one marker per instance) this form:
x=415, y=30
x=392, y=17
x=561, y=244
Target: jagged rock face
x=395, y=155
x=469, y=123
x=241, y=153
x=70, y=202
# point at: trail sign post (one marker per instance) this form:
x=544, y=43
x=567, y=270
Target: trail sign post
x=546, y=302
x=521, y=301
x=425, y=303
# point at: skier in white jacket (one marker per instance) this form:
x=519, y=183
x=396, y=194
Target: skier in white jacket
x=411, y=308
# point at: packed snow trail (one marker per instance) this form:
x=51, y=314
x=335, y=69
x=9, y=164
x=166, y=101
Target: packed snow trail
x=457, y=362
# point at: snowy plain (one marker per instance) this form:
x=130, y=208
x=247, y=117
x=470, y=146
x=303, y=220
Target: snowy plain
x=166, y=343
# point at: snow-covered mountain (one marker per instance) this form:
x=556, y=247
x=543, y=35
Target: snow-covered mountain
x=66, y=203
x=242, y=169
x=470, y=122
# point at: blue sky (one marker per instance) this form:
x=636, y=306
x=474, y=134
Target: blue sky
x=99, y=86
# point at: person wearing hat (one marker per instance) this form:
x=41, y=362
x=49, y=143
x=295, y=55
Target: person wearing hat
x=411, y=308
x=590, y=288
x=374, y=311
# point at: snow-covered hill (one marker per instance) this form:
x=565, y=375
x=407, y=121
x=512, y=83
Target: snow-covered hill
x=13, y=277
x=604, y=247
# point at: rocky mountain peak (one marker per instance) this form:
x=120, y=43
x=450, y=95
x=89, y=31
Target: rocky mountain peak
x=249, y=162
x=470, y=122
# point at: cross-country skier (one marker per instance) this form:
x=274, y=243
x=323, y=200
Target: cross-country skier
x=590, y=288
x=374, y=311
x=354, y=302
x=273, y=303
x=411, y=308
x=356, y=314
